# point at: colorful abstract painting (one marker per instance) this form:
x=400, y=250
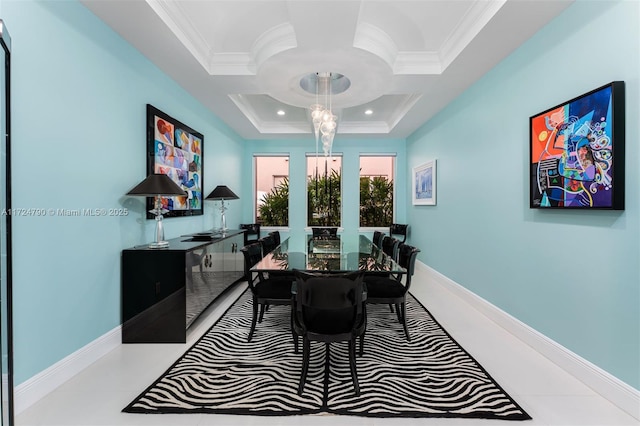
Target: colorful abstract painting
x=175, y=150
x=577, y=152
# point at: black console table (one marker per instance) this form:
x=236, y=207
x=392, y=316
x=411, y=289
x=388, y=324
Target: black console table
x=164, y=290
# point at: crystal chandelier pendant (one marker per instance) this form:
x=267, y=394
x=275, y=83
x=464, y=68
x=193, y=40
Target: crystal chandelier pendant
x=316, y=113
x=324, y=121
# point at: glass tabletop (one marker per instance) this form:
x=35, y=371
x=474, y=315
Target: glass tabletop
x=344, y=253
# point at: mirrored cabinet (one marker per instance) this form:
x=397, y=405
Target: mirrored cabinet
x=165, y=290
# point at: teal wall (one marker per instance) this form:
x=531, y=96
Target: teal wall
x=78, y=112
x=79, y=93
x=350, y=150
x=572, y=275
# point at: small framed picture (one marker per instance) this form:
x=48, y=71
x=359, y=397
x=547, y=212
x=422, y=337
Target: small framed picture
x=424, y=184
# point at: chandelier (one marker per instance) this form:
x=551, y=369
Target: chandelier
x=324, y=121
x=323, y=118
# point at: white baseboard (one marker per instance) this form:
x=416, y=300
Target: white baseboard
x=32, y=390
x=613, y=389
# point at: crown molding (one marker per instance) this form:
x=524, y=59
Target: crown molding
x=172, y=14
x=469, y=27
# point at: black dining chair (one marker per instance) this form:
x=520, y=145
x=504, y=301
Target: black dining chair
x=252, y=232
x=390, y=246
x=276, y=237
x=264, y=291
x=328, y=308
x=268, y=243
x=377, y=238
x=391, y=290
x=399, y=229
x=276, y=242
x=324, y=232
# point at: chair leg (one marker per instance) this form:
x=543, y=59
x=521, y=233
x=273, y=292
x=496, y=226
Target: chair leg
x=306, y=348
x=399, y=312
x=253, y=319
x=352, y=366
x=361, y=344
x=261, y=313
x=294, y=334
x=404, y=321
x=391, y=307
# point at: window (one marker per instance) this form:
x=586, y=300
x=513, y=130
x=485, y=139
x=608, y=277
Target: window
x=324, y=201
x=376, y=191
x=272, y=190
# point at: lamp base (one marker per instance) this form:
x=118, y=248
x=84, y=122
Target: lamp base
x=159, y=245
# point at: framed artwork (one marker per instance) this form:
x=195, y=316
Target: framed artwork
x=577, y=152
x=176, y=150
x=424, y=184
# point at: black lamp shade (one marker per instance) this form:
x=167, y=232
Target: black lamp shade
x=222, y=192
x=157, y=184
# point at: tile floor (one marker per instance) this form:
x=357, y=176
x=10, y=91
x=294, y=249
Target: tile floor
x=550, y=395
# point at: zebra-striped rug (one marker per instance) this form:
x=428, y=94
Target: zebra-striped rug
x=431, y=376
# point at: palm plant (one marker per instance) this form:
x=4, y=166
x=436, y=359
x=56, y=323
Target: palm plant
x=324, y=199
x=324, y=202
x=376, y=201
x=275, y=209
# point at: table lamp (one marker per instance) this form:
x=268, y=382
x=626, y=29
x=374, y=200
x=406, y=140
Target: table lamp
x=222, y=192
x=156, y=185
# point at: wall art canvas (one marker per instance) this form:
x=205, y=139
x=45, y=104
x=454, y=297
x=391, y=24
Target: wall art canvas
x=577, y=152
x=175, y=149
x=424, y=184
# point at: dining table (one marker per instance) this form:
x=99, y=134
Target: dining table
x=343, y=253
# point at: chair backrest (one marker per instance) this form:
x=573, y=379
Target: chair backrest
x=252, y=232
x=377, y=238
x=329, y=296
x=324, y=232
x=390, y=247
x=407, y=259
x=252, y=254
x=268, y=244
x=276, y=237
x=399, y=229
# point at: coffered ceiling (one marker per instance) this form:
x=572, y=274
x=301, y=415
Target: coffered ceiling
x=405, y=60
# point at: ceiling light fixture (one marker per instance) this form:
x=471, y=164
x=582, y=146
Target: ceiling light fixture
x=280, y=112
x=368, y=112
x=323, y=119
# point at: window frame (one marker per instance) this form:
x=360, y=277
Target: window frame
x=321, y=157
x=394, y=157
x=255, y=156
